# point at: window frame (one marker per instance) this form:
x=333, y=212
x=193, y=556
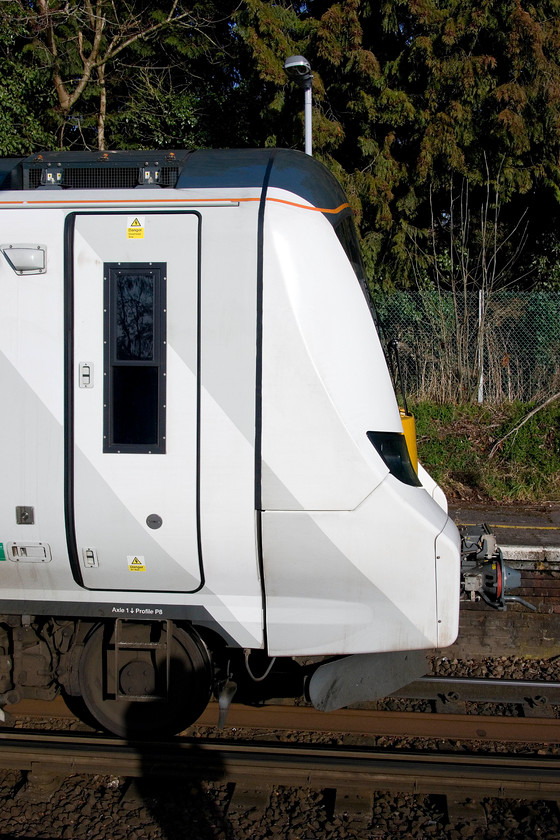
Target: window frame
x=111, y=273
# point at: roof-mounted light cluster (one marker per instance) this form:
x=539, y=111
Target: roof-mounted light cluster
x=105, y=170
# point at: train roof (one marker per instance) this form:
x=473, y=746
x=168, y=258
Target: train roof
x=286, y=169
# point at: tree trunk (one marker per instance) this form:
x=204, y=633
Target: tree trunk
x=102, y=113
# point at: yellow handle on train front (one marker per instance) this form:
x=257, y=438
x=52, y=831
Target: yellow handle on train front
x=409, y=429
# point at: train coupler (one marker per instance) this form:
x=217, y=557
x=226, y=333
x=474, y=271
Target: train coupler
x=484, y=574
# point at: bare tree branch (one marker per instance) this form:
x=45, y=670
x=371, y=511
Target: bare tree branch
x=522, y=423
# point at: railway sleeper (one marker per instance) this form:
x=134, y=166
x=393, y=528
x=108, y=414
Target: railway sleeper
x=355, y=802
x=247, y=798
x=466, y=813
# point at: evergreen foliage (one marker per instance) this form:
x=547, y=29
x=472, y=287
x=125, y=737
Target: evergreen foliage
x=415, y=102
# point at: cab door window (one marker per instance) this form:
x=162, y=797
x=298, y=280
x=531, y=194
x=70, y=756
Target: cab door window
x=134, y=364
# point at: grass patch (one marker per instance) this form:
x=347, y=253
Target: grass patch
x=454, y=443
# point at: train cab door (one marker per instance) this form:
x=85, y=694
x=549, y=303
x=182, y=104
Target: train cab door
x=133, y=314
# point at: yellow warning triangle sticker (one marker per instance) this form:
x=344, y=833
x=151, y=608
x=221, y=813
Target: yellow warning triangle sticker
x=136, y=223
x=136, y=562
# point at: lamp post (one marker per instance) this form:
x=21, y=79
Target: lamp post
x=298, y=69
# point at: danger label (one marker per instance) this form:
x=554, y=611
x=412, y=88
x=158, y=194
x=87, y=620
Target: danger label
x=135, y=227
x=136, y=564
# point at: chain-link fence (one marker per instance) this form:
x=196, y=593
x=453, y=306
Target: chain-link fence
x=462, y=347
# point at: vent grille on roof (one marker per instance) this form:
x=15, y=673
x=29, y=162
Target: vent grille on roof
x=82, y=178
x=108, y=178
x=34, y=178
x=169, y=176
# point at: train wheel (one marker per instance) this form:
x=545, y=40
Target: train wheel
x=134, y=687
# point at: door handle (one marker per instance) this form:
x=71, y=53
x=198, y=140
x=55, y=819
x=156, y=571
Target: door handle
x=85, y=375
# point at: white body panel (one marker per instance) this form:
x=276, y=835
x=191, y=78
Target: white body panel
x=115, y=493
x=433, y=489
x=336, y=525
x=347, y=552
x=317, y=406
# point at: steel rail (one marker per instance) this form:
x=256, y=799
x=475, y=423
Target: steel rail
x=473, y=689
x=408, y=725
x=398, y=724
x=482, y=690
x=511, y=776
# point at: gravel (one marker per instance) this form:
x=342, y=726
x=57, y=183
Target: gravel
x=112, y=808
x=500, y=667
x=101, y=807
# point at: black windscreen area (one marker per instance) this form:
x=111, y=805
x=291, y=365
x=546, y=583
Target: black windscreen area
x=134, y=335
x=394, y=451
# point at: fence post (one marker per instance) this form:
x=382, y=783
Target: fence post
x=480, y=347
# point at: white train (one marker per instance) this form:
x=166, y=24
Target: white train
x=203, y=460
